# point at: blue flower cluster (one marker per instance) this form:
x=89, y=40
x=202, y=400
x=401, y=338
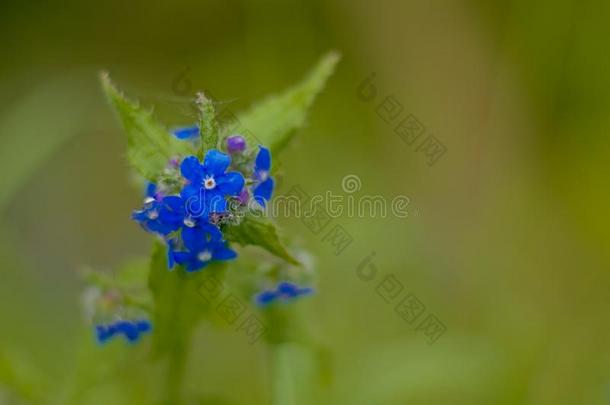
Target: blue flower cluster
x=284, y=291
x=185, y=216
x=132, y=330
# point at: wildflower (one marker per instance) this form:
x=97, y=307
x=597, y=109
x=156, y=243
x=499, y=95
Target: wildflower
x=285, y=291
x=264, y=183
x=204, y=244
x=130, y=329
x=175, y=214
x=186, y=132
x=163, y=215
x=208, y=184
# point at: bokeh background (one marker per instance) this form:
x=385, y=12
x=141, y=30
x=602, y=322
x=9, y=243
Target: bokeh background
x=508, y=235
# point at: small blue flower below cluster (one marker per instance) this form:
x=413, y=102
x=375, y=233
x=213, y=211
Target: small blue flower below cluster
x=284, y=291
x=132, y=330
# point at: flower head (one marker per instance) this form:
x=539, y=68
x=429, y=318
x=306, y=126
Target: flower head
x=152, y=217
x=209, y=184
x=203, y=244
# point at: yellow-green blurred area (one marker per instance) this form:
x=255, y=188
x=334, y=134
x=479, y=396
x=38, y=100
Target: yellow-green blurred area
x=507, y=241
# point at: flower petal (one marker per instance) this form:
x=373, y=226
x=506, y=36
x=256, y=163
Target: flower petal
x=223, y=253
x=151, y=189
x=192, y=170
x=194, y=198
x=215, y=202
x=195, y=265
x=266, y=298
x=183, y=258
x=263, y=159
x=174, y=203
x=194, y=238
x=287, y=289
x=231, y=183
x=216, y=162
x=157, y=226
x=186, y=132
x=263, y=191
x=143, y=325
x=200, y=236
x=212, y=233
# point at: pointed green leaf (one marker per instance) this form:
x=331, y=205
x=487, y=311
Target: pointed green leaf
x=261, y=232
x=274, y=121
x=150, y=145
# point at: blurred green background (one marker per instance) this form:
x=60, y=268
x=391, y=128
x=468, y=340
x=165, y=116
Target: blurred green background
x=508, y=237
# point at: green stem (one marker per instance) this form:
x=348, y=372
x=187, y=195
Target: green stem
x=282, y=388
x=176, y=367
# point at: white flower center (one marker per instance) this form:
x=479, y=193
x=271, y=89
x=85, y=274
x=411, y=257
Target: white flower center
x=209, y=183
x=204, y=256
x=263, y=174
x=190, y=222
x=149, y=200
x=152, y=214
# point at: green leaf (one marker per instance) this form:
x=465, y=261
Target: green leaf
x=261, y=232
x=150, y=145
x=208, y=126
x=274, y=121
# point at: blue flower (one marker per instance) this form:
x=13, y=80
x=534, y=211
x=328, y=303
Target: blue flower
x=161, y=215
x=153, y=217
x=204, y=244
x=130, y=329
x=186, y=132
x=208, y=184
x=264, y=184
x=284, y=291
